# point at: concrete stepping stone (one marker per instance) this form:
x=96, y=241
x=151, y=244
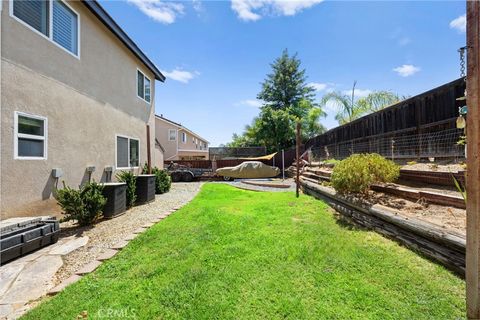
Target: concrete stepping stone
x=148, y=225
x=88, y=268
x=34, y=281
x=69, y=246
x=119, y=245
x=107, y=254
x=130, y=237
x=74, y=278
x=5, y=310
x=8, y=274
x=140, y=230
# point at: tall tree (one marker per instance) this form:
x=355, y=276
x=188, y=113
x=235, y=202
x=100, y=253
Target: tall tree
x=287, y=99
x=287, y=85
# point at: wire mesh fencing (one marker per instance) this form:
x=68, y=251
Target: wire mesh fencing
x=439, y=144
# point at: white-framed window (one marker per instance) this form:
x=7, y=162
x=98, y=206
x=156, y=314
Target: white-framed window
x=127, y=152
x=143, y=86
x=52, y=19
x=30, y=134
x=172, y=134
x=184, y=137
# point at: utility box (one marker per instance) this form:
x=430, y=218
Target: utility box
x=145, y=189
x=116, y=194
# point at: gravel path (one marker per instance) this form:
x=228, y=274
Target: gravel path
x=109, y=232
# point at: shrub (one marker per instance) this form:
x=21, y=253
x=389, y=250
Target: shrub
x=359, y=171
x=163, y=181
x=84, y=205
x=129, y=178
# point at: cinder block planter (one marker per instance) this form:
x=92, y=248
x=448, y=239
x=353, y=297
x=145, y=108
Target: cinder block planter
x=145, y=190
x=116, y=194
x=19, y=239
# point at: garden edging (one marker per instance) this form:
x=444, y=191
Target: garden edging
x=434, y=242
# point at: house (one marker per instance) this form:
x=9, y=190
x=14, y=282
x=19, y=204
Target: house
x=176, y=142
x=77, y=100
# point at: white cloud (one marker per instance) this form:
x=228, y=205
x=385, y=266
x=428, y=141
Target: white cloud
x=253, y=10
x=359, y=93
x=158, y=10
x=198, y=6
x=250, y=102
x=460, y=23
x=318, y=86
x=181, y=75
x=406, y=70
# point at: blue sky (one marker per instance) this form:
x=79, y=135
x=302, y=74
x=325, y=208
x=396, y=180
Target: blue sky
x=215, y=54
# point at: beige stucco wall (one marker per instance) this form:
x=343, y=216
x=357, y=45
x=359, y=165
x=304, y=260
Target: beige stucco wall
x=87, y=102
x=161, y=134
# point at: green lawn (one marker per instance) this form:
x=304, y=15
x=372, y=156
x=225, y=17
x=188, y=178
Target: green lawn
x=234, y=254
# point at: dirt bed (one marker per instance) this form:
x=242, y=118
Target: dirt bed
x=446, y=217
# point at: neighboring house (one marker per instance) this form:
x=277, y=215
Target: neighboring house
x=77, y=95
x=178, y=142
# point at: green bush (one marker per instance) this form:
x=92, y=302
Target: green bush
x=130, y=179
x=163, y=181
x=359, y=171
x=84, y=205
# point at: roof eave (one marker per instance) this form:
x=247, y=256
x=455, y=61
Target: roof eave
x=108, y=21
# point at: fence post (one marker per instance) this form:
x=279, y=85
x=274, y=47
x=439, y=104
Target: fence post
x=472, y=269
x=392, y=146
x=283, y=164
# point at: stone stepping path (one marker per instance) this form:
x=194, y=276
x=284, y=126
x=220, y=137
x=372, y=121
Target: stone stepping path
x=31, y=277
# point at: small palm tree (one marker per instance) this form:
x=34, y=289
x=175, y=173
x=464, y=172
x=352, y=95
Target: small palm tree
x=350, y=108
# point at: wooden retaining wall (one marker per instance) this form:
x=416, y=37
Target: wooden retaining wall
x=444, y=247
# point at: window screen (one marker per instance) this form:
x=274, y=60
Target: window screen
x=147, y=89
x=30, y=148
x=34, y=13
x=134, y=153
x=65, y=27
x=140, y=85
x=172, y=135
x=122, y=152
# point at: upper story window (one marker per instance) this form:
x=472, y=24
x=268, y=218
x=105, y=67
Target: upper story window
x=54, y=19
x=172, y=134
x=30, y=136
x=143, y=86
x=184, y=137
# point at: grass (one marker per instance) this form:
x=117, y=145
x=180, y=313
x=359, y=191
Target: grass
x=235, y=254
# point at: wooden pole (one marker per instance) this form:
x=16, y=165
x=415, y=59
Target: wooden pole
x=472, y=271
x=149, y=158
x=298, y=159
